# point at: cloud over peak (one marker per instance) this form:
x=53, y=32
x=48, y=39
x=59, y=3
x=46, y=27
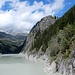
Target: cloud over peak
x=23, y=15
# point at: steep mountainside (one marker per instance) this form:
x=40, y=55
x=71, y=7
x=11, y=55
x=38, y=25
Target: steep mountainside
x=37, y=29
x=54, y=38
x=11, y=44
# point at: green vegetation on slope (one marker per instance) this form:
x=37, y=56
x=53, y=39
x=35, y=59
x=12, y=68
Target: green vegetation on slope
x=59, y=37
x=9, y=46
x=63, y=41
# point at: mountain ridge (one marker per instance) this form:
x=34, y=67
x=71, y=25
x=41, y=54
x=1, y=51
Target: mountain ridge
x=11, y=44
x=39, y=27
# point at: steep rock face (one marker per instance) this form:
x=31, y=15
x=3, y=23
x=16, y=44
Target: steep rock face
x=43, y=24
x=39, y=27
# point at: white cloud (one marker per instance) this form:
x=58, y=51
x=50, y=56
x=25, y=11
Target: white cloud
x=24, y=16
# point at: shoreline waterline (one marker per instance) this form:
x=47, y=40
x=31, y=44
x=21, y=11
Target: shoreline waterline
x=43, y=60
x=12, y=62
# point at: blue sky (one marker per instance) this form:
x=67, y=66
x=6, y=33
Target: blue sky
x=7, y=6
x=22, y=15
x=67, y=5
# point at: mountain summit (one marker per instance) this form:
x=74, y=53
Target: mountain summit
x=37, y=29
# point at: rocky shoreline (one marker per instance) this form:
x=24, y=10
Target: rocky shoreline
x=48, y=68
x=62, y=68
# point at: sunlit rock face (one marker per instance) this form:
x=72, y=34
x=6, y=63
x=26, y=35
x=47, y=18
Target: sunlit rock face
x=53, y=67
x=74, y=63
x=40, y=26
x=67, y=68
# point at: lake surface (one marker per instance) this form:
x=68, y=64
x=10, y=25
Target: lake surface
x=18, y=65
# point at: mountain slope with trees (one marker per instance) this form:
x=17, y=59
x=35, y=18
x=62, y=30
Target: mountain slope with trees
x=57, y=42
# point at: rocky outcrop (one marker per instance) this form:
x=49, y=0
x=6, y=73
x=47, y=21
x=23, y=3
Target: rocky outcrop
x=39, y=27
x=43, y=24
x=66, y=68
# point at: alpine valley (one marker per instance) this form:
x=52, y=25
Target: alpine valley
x=51, y=41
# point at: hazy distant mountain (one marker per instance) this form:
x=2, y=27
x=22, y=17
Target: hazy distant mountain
x=21, y=36
x=11, y=44
x=6, y=36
